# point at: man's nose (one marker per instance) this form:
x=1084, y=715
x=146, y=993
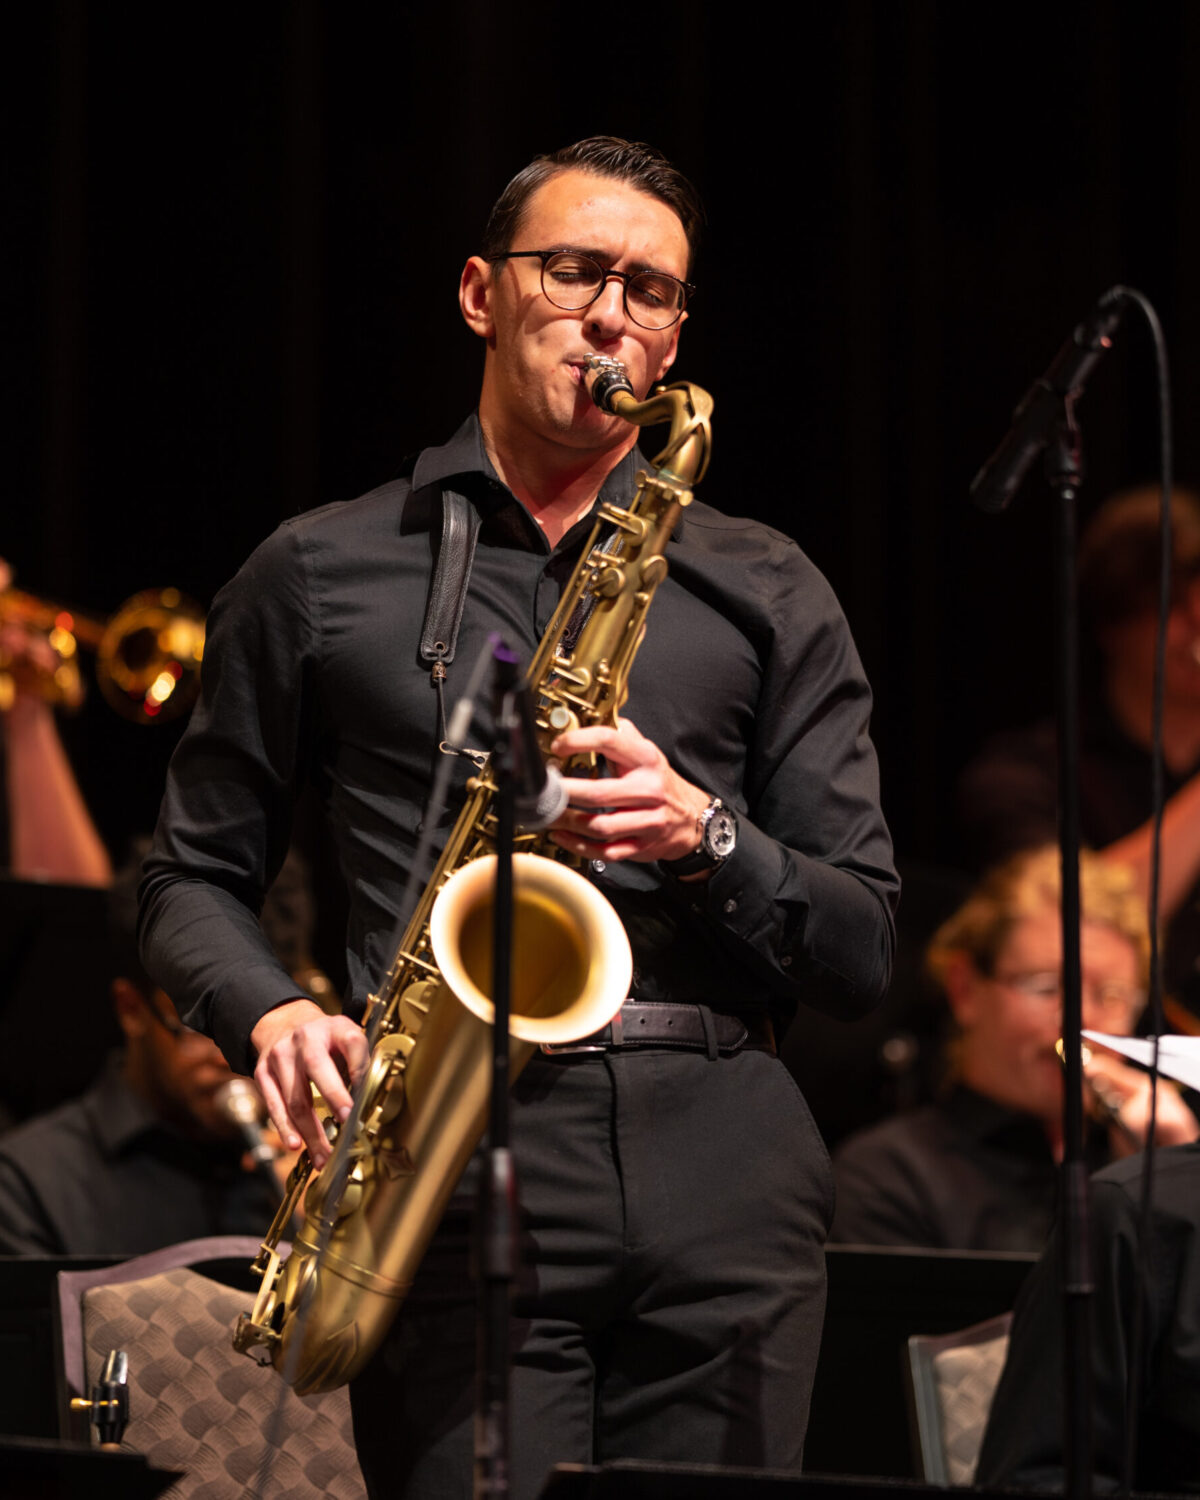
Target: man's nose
x=606, y=316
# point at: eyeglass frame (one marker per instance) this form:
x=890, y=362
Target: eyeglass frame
x=1024, y=982
x=625, y=277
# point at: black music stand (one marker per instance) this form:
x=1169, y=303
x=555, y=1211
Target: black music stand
x=36, y=1469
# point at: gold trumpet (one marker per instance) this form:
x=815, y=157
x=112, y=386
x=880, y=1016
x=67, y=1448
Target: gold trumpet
x=148, y=654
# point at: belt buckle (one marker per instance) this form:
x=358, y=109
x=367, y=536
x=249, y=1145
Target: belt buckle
x=616, y=1035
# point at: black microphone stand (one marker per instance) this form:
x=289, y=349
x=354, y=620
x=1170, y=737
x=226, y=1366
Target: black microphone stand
x=1064, y=472
x=1046, y=419
x=497, y=1226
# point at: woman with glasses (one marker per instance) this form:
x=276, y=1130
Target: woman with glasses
x=977, y=1169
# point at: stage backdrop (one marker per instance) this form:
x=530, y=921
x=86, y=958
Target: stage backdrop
x=233, y=236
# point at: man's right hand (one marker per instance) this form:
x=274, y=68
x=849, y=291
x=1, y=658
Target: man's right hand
x=298, y=1045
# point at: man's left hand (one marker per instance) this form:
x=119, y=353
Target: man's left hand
x=645, y=811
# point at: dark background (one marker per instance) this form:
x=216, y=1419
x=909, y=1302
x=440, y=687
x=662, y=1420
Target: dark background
x=233, y=235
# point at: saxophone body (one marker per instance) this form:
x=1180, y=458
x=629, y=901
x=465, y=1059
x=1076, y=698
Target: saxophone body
x=419, y=1112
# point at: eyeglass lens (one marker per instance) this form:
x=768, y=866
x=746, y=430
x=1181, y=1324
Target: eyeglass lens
x=652, y=299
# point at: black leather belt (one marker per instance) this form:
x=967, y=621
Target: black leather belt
x=662, y=1023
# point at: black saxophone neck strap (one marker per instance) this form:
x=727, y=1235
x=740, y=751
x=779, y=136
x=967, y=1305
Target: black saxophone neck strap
x=448, y=591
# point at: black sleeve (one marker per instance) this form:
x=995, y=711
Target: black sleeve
x=226, y=813
x=811, y=890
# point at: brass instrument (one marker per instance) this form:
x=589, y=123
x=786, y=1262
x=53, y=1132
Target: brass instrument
x=148, y=654
x=1106, y=1104
x=420, y=1111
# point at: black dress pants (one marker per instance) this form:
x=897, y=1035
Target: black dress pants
x=671, y=1292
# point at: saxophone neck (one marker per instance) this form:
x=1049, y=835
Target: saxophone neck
x=687, y=407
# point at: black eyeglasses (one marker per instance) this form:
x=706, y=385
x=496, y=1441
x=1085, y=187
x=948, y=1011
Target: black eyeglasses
x=571, y=281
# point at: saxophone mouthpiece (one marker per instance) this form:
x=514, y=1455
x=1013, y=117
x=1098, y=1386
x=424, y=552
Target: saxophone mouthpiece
x=604, y=377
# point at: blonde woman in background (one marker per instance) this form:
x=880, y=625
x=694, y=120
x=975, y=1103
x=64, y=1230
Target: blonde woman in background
x=977, y=1169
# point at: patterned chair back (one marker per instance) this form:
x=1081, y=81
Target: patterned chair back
x=952, y=1379
x=234, y=1427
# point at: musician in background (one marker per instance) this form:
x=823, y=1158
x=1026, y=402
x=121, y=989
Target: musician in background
x=1008, y=795
x=51, y=835
x=977, y=1170
x=149, y=1155
x=675, y=1192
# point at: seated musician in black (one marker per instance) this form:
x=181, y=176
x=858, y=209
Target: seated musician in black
x=148, y=1155
x=977, y=1169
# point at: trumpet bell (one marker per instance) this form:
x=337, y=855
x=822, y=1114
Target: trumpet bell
x=148, y=659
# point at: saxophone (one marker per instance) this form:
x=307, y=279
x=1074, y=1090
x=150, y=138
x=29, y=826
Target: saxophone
x=421, y=1107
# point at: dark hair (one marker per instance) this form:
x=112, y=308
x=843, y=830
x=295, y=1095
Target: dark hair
x=603, y=156
x=1119, y=554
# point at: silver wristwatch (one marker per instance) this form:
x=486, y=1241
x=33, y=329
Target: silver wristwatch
x=718, y=837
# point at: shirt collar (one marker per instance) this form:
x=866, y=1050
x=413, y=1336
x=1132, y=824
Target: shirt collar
x=119, y=1116
x=123, y=1121
x=463, y=455
x=986, y=1120
x=464, y=458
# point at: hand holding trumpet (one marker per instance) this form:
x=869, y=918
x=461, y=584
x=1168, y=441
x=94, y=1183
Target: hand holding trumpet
x=1120, y=1095
x=31, y=668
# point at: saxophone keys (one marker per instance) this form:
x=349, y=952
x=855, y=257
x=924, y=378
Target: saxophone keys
x=414, y=1008
x=608, y=581
x=316, y=1204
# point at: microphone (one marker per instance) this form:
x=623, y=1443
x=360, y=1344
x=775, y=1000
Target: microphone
x=1033, y=421
x=540, y=790
x=238, y=1101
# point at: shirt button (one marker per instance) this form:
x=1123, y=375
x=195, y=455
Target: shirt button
x=730, y=907
x=598, y=867
x=786, y=961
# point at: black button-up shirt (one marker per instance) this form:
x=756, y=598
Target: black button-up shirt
x=104, y=1175
x=965, y=1173
x=747, y=679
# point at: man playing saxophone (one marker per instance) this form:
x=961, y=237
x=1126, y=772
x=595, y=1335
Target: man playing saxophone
x=675, y=1194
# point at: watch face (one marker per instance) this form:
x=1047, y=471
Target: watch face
x=720, y=833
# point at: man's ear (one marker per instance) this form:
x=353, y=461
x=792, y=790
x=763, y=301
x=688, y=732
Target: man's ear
x=130, y=1007
x=668, y=358
x=963, y=984
x=475, y=297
